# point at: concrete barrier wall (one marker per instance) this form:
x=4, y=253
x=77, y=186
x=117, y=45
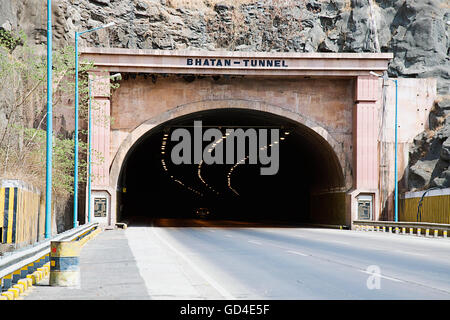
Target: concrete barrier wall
x=21, y=270
x=435, y=206
x=22, y=214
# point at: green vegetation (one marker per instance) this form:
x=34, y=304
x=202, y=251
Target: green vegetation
x=9, y=41
x=23, y=115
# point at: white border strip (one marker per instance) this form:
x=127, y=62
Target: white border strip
x=431, y=193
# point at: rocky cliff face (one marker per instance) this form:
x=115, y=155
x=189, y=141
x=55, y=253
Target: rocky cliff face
x=430, y=155
x=416, y=31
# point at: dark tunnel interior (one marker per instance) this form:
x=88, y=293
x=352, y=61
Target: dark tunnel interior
x=152, y=186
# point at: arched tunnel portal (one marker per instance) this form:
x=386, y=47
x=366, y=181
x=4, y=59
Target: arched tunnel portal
x=304, y=168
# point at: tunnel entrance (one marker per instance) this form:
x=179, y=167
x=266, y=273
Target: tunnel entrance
x=303, y=189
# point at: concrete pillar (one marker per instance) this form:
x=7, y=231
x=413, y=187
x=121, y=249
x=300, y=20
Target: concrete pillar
x=365, y=143
x=101, y=138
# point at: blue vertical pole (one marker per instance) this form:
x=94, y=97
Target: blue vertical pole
x=90, y=146
x=75, y=173
x=396, y=156
x=48, y=180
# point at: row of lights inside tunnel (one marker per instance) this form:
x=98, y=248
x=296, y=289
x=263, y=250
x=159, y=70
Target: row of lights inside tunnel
x=199, y=170
x=164, y=165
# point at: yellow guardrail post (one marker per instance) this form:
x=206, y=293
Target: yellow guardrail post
x=9, y=295
x=64, y=263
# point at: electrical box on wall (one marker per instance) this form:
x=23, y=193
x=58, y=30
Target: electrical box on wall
x=365, y=207
x=100, y=207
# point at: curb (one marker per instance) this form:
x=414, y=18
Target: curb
x=90, y=236
x=25, y=285
x=401, y=230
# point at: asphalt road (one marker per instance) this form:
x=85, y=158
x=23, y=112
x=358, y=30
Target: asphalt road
x=288, y=263
x=243, y=261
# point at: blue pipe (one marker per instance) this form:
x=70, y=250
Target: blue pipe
x=75, y=173
x=396, y=156
x=49, y=151
x=90, y=146
x=90, y=30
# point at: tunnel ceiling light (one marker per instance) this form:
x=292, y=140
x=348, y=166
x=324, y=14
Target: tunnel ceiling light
x=199, y=173
x=243, y=161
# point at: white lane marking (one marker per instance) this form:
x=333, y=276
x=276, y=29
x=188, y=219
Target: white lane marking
x=211, y=230
x=229, y=236
x=297, y=253
x=340, y=242
x=255, y=242
x=381, y=276
x=301, y=236
x=411, y=253
x=203, y=274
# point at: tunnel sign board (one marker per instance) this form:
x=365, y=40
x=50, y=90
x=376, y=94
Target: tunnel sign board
x=247, y=63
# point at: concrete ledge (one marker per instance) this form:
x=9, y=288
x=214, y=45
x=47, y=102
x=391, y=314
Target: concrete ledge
x=405, y=228
x=25, y=284
x=20, y=258
x=423, y=225
x=290, y=63
x=89, y=236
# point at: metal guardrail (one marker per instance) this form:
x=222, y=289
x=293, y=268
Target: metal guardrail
x=21, y=258
x=401, y=227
